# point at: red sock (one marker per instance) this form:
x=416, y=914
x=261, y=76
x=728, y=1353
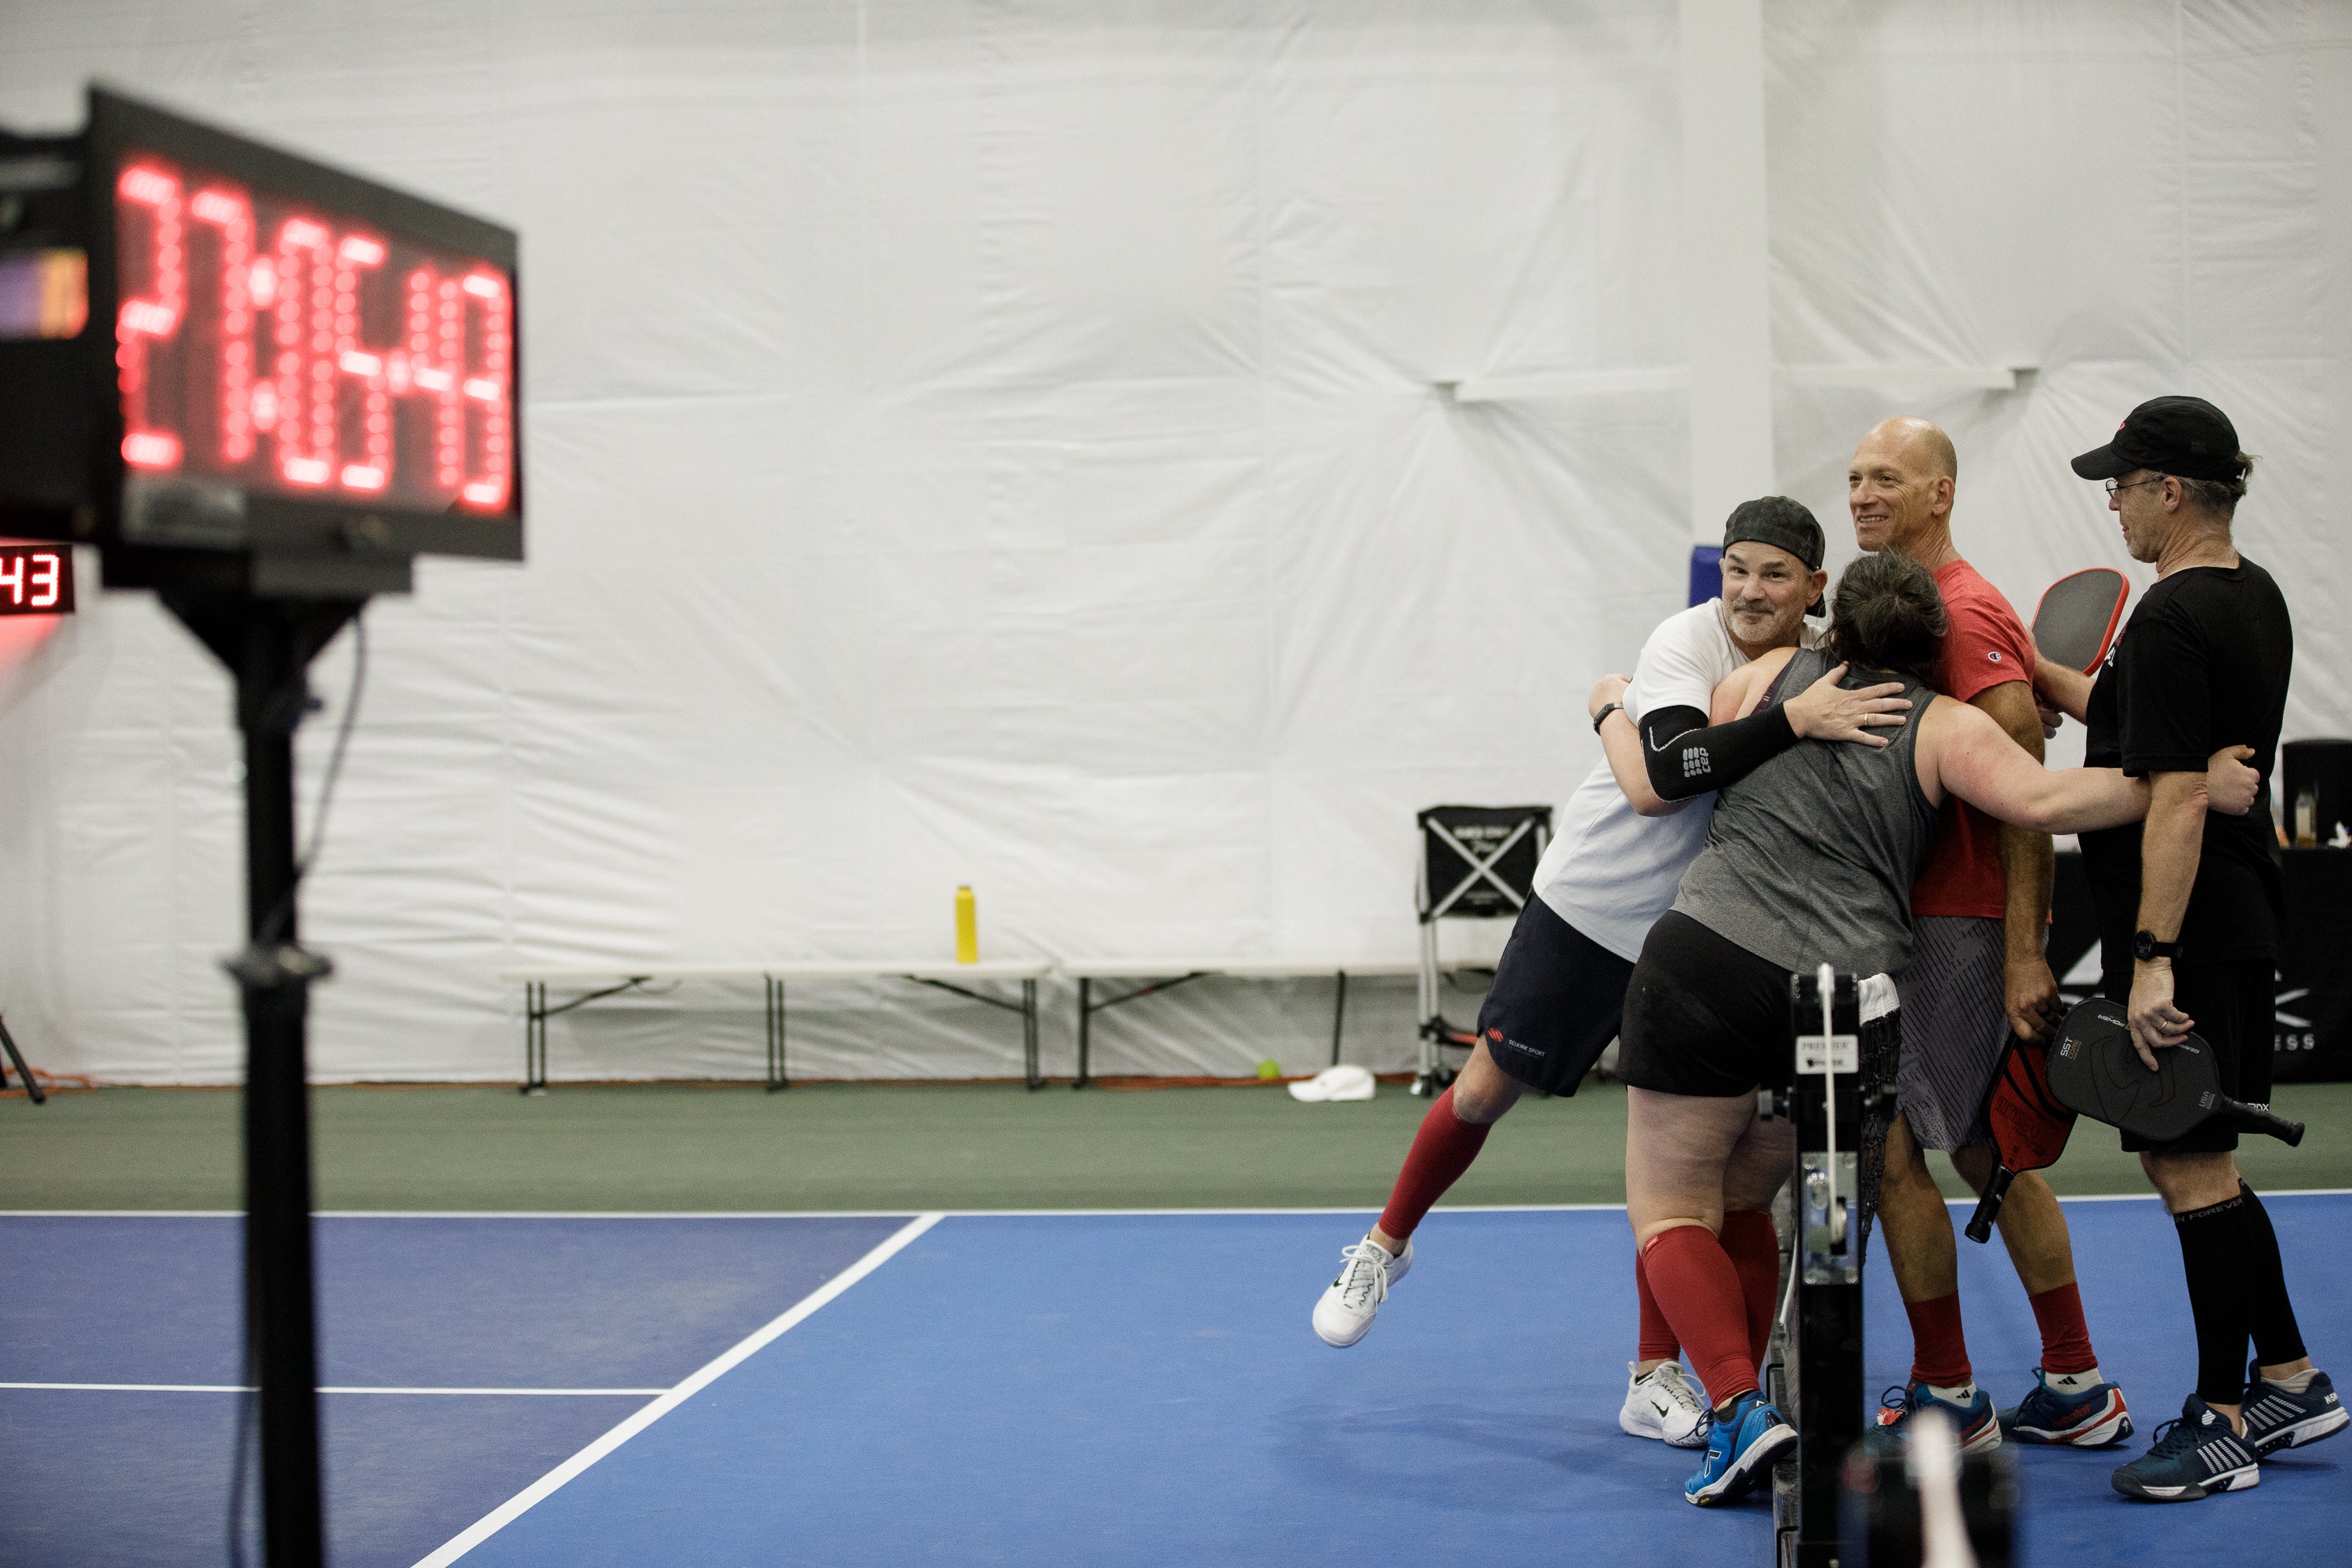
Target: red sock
x=1699, y=1289
x=1939, y=1351
x=2065, y=1337
x=1657, y=1341
x=1755, y=1249
x=1442, y=1150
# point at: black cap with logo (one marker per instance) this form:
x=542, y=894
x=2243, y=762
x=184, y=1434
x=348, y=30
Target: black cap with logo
x=1776, y=520
x=2185, y=436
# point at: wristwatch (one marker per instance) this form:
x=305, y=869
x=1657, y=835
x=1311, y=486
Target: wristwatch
x=2145, y=946
x=1602, y=717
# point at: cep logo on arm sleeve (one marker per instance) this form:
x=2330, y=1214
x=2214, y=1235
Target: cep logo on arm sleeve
x=1695, y=762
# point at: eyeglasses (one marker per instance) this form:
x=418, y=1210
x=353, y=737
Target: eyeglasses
x=2113, y=487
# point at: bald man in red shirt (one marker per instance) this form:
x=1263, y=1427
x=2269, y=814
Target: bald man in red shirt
x=1980, y=911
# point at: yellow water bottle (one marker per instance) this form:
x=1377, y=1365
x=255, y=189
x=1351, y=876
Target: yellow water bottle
x=967, y=928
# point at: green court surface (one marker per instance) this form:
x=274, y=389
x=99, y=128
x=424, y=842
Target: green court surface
x=838, y=1146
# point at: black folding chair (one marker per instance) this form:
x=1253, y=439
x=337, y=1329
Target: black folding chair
x=1477, y=862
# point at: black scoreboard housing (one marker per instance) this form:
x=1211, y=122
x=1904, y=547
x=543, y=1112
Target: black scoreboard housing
x=62, y=470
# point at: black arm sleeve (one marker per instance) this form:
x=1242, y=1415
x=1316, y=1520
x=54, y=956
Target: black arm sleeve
x=1685, y=757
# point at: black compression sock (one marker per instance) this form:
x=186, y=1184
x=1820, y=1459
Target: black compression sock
x=2210, y=1255
x=2270, y=1312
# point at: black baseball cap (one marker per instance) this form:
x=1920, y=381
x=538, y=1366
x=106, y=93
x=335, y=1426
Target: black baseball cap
x=1776, y=520
x=2185, y=436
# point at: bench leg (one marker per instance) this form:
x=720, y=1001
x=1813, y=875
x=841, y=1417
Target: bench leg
x=776, y=1078
x=1338, y=1016
x=534, y=1037
x=1029, y=1033
x=7, y=1042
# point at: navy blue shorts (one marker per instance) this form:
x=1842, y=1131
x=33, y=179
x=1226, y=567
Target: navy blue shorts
x=1554, y=1005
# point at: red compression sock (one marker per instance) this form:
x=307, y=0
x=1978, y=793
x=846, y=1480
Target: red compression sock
x=1699, y=1289
x=2065, y=1337
x=1657, y=1341
x=1939, y=1351
x=1442, y=1150
x=1755, y=1249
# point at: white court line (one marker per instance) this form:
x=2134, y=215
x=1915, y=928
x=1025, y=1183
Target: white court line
x=371, y=1388
x=515, y=1507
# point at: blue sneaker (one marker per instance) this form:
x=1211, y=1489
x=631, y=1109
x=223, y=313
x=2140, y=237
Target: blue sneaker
x=1974, y=1424
x=2277, y=1419
x=2095, y=1417
x=2195, y=1456
x=1740, y=1450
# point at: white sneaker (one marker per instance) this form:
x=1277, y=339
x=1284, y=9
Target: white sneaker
x=1345, y=1313
x=1661, y=1404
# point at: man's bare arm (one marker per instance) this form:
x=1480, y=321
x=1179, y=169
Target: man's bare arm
x=2171, y=844
x=2068, y=691
x=2027, y=868
x=1621, y=742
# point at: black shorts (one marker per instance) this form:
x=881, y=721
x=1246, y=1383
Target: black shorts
x=2232, y=1004
x=1704, y=1016
x=1555, y=1003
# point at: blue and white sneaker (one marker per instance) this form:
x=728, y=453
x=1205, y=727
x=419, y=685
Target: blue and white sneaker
x=1975, y=1423
x=1740, y=1450
x=2094, y=1417
x=2276, y=1418
x=2195, y=1456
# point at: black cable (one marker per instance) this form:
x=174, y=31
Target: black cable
x=275, y=926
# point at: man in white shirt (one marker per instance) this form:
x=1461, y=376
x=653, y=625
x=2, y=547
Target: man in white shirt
x=1610, y=871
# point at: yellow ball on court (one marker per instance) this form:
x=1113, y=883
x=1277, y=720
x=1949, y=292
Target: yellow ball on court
x=1269, y=1069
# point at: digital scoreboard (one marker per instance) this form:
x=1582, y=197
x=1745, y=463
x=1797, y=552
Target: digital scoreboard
x=210, y=344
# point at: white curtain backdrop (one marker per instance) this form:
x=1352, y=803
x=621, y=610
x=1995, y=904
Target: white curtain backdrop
x=1002, y=444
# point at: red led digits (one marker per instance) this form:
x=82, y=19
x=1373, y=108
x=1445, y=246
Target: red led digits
x=153, y=315
x=226, y=210
x=488, y=490
x=299, y=353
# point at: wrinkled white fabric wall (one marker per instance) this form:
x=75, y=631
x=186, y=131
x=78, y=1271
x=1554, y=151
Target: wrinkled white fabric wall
x=999, y=443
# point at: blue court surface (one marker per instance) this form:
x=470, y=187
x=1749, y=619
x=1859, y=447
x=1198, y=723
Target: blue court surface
x=978, y=1388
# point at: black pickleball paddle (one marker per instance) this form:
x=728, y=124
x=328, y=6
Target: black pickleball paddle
x=2077, y=617
x=2094, y=1070
x=2030, y=1127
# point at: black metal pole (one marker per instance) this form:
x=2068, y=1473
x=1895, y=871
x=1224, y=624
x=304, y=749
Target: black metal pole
x=279, y=1309
x=267, y=645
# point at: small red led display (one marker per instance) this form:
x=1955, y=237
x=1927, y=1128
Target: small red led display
x=36, y=580
x=287, y=350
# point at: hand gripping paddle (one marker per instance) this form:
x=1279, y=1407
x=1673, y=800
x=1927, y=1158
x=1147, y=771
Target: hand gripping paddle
x=2030, y=1127
x=2076, y=619
x=2094, y=1070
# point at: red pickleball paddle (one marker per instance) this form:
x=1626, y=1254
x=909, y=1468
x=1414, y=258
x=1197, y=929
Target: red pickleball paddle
x=2077, y=617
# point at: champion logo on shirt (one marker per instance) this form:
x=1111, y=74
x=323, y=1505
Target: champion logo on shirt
x=1994, y=656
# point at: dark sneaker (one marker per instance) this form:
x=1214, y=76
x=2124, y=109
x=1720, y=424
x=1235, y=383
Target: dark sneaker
x=1740, y=1450
x=1974, y=1424
x=2276, y=1419
x=2195, y=1456
x=2095, y=1417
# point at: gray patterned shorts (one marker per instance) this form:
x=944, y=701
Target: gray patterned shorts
x=1955, y=1026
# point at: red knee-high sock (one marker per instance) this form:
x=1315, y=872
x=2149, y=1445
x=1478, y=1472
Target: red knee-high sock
x=2065, y=1337
x=1939, y=1351
x=1442, y=1150
x=1657, y=1341
x=1699, y=1289
x=1755, y=1249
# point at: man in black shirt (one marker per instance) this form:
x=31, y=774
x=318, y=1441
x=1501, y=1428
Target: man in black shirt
x=2189, y=909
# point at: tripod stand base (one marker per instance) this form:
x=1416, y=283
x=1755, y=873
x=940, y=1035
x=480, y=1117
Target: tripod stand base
x=33, y=1090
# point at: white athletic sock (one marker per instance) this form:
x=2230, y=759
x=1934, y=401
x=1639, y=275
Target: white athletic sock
x=2299, y=1384
x=2072, y=1381
x=1964, y=1393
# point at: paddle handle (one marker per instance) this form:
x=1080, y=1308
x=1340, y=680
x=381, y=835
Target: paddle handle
x=2254, y=1118
x=1988, y=1206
